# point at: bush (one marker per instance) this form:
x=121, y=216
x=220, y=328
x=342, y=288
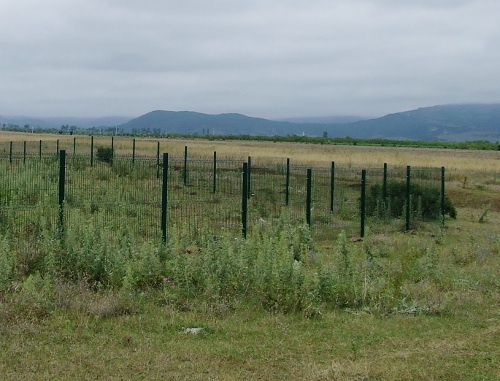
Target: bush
x=105, y=154
x=425, y=202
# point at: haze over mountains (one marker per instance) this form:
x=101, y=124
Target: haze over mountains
x=444, y=123
x=466, y=122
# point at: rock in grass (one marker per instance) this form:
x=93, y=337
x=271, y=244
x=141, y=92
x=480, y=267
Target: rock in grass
x=193, y=331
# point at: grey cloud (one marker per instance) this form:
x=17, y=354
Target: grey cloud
x=279, y=58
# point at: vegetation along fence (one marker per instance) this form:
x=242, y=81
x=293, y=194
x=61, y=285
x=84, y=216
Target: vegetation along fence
x=156, y=196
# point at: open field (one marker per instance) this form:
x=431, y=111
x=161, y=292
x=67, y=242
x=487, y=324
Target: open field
x=422, y=305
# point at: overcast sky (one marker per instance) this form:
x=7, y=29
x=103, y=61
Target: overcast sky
x=264, y=58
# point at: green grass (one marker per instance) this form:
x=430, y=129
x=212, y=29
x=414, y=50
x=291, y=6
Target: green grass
x=433, y=314
x=248, y=344
x=101, y=301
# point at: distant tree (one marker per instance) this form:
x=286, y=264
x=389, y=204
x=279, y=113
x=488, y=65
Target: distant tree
x=325, y=134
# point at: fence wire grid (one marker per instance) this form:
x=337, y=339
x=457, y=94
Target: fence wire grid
x=205, y=194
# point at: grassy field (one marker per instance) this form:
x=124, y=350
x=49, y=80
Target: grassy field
x=422, y=305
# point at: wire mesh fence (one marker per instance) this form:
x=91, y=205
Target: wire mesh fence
x=196, y=195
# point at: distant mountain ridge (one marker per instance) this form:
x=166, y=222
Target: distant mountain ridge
x=466, y=122
x=453, y=123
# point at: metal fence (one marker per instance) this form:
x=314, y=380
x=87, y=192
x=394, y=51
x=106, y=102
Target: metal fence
x=153, y=196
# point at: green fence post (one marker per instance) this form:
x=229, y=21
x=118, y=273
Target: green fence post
x=133, y=151
x=10, y=151
x=442, y=195
x=384, y=185
x=62, y=182
x=24, y=152
x=40, y=149
x=363, y=202
x=249, y=169
x=57, y=147
x=408, y=197
x=332, y=186
x=158, y=160
x=308, y=196
x=74, y=146
x=184, y=174
x=92, y=151
x=112, y=149
x=244, y=201
x=215, y=173
x=287, y=182
x=164, y=195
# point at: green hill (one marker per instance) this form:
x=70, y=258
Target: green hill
x=438, y=123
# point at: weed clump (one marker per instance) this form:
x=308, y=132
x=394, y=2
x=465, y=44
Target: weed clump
x=105, y=154
x=425, y=202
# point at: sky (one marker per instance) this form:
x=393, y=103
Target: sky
x=262, y=58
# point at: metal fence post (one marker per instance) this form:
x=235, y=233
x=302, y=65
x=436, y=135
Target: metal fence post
x=442, y=195
x=40, y=149
x=249, y=169
x=287, y=182
x=133, y=151
x=408, y=197
x=74, y=146
x=10, y=152
x=62, y=182
x=309, y=197
x=92, y=151
x=215, y=173
x=164, y=200
x=384, y=185
x=244, y=201
x=184, y=174
x=24, y=152
x=363, y=202
x=158, y=160
x=57, y=147
x=332, y=186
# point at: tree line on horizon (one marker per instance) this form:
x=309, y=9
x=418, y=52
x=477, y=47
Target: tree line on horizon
x=324, y=139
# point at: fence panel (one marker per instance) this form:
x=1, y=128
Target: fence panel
x=28, y=196
x=204, y=194
x=193, y=205
x=117, y=193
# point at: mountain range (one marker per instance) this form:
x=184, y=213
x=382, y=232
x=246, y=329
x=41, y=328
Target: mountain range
x=464, y=122
x=438, y=123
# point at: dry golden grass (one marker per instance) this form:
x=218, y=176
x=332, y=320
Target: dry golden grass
x=465, y=169
x=460, y=161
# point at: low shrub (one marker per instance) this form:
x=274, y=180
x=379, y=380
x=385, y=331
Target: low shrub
x=105, y=154
x=425, y=202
